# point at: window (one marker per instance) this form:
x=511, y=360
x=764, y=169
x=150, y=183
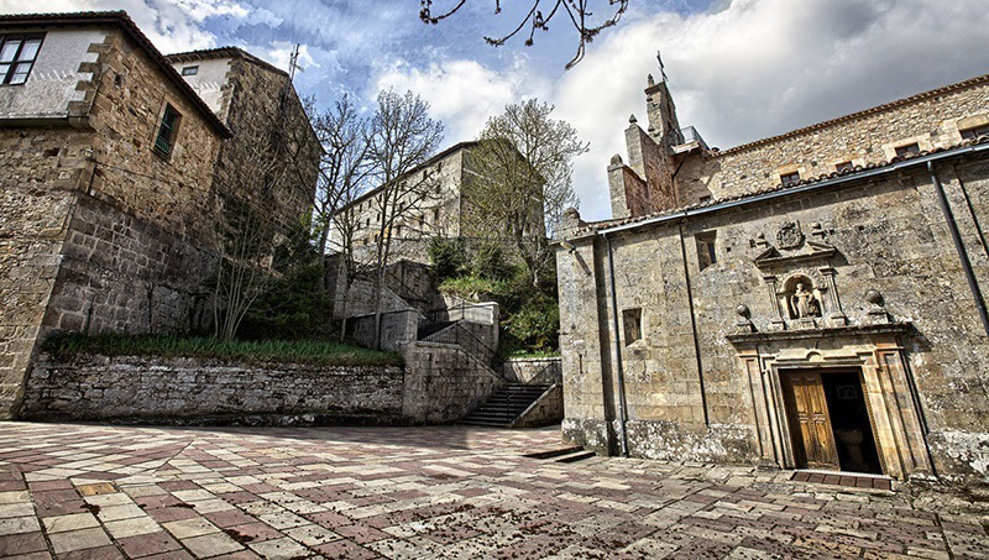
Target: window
x=190, y=70
x=166, y=132
x=975, y=132
x=789, y=179
x=705, y=198
x=706, y=253
x=17, y=56
x=843, y=167
x=632, y=321
x=904, y=151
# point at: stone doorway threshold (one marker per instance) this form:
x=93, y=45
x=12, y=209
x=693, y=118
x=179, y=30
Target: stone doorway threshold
x=843, y=478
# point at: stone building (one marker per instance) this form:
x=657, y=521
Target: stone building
x=442, y=209
x=813, y=299
x=114, y=172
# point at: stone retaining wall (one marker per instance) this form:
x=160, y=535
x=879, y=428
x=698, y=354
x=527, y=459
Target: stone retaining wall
x=534, y=371
x=440, y=383
x=188, y=390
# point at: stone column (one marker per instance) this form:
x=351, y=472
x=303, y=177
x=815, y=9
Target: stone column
x=776, y=323
x=836, y=317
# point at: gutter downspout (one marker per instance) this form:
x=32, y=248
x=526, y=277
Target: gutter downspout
x=622, y=412
x=973, y=283
x=693, y=324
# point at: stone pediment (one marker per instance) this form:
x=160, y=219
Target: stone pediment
x=809, y=253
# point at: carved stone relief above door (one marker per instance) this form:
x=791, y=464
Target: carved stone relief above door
x=800, y=280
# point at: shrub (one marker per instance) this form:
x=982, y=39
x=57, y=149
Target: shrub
x=448, y=257
x=489, y=261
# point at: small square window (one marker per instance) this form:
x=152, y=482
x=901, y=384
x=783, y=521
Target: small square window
x=17, y=56
x=844, y=167
x=706, y=249
x=165, y=141
x=904, y=151
x=190, y=70
x=632, y=322
x=789, y=179
x=704, y=199
x=975, y=132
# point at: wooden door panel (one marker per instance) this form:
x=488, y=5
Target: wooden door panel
x=812, y=424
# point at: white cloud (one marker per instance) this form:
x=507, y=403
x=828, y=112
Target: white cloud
x=462, y=93
x=172, y=25
x=762, y=67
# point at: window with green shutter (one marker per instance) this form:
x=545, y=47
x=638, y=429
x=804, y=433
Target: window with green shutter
x=166, y=132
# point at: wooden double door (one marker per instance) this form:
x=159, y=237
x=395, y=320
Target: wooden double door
x=829, y=421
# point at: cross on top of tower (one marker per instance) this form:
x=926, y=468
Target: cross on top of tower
x=662, y=67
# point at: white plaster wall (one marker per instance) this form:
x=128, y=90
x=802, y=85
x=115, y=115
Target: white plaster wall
x=51, y=86
x=208, y=82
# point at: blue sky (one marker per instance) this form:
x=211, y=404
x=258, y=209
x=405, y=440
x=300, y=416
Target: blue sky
x=739, y=69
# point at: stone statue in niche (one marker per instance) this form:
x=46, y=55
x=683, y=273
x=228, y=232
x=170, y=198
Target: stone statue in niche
x=804, y=303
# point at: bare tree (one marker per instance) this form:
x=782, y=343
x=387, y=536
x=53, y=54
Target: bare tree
x=577, y=12
x=248, y=233
x=402, y=138
x=344, y=168
x=523, y=180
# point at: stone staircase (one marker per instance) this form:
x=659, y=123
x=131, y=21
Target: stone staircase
x=505, y=405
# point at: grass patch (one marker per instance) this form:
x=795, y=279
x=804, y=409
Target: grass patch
x=317, y=352
x=524, y=353
x=466, y=286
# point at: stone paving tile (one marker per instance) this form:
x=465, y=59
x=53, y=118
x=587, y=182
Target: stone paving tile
x=77, y=491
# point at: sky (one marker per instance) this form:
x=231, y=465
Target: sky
x=739, y=70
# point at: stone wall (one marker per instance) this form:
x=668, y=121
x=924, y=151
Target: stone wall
x=888, y=235
x=931, y=121
x=398, y=328
x=547, y=410
x=439, y=383
x=475, y=338
x=185, y=390
x=272, y=160
x=534, y=371
x=443, y=382
x=120, y=273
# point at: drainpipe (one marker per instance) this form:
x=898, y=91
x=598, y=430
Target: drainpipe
x=693, y=327
x=973, y=283
x=622, y=412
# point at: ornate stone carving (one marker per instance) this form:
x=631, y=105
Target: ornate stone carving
x=804, y=303
x=876, y=313
x=790, y=236
x=743, y=324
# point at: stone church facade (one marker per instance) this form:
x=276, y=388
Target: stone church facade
x=810, y=300
x=112, y=173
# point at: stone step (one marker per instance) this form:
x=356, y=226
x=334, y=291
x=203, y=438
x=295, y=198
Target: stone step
x=574, y=457
x=554, y=452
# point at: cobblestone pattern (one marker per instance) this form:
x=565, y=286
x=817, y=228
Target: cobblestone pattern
x=185, y=390
x=74, y=492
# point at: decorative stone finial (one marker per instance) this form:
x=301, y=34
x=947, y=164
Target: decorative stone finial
x=616, y=159
x=877, y=308
x=744, y=324
x=632, y=119
x=874, y=297
x=650, y=80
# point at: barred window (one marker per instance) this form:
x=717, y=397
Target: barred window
x=17, y=56
x=903, y=151
x=975, y=132
x=789, y=179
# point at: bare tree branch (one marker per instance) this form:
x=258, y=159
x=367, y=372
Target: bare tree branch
x=577, y=12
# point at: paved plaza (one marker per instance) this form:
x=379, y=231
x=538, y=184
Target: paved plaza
x=86, y=491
